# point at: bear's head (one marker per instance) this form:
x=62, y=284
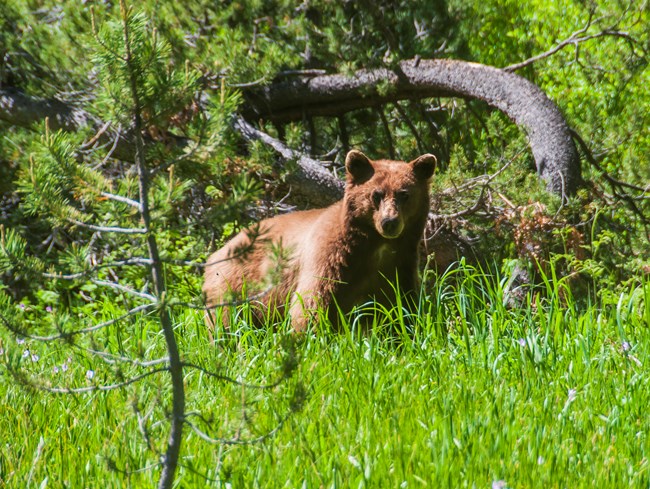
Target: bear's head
x=392, y=197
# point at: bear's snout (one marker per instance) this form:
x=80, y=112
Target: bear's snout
x=391, y=227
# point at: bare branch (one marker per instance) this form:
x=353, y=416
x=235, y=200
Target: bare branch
x=95, y=138
x=20, y=377
x=235, y=441
x=574, y=40
x=414, y=131
x=233, y=303
x=85, y=273
x=230, y=380
x=592, y=161
x=108, y=229
x=577, y=37
x=66, y=335
x=477, y=205
x=140, y=261
x=483, y=181
x=114, y=467
x=522, y=101
x=142, y=426
x=331, y=95
x=311, y=182
x=288, y=73
x=200, y=474
x=389, y=134
x=123, y=288
x=113, y=359
x=616, y=185
x=124, y=200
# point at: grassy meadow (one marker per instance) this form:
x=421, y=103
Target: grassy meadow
x=473, y=392
x=482, y=387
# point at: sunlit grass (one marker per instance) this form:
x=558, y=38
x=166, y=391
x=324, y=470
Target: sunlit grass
x=474, y=391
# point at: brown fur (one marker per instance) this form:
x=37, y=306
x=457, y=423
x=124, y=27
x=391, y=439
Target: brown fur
x=340, y=256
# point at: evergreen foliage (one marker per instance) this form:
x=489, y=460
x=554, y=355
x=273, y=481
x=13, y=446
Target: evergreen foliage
x=535, y=387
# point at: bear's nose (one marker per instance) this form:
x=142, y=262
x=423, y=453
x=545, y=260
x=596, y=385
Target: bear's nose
x=390, y=225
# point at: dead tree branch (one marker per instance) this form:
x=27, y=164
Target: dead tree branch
x=522, y=101
x=575, y=39
x=310, y=181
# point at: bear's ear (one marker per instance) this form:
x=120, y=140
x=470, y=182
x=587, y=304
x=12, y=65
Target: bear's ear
x=423, y=166
x=358, y=166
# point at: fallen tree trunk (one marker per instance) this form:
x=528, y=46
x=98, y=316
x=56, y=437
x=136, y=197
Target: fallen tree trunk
x=526, y=104
x=555, y=154
x=310, y=184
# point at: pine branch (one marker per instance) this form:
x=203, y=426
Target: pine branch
x=175, y=368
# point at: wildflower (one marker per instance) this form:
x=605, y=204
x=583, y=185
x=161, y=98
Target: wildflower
x=522, y=342
x=571, y=395
x=56, y=369
x=35, y=357
x=499, y=485
x=2, y=351
x=26, y=353
x=20, y=341
x=625, y=346
x=22, y=306
x=540, y=460
x=48, y=309
x=90, y=374
x=64, y=367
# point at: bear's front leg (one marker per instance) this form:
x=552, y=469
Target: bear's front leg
x=310, y=296
x=303, y=309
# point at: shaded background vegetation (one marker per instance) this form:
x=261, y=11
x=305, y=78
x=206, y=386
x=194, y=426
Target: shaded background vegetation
x=232, y=46
x=212, y=54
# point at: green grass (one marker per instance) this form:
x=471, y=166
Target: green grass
x=552, y=393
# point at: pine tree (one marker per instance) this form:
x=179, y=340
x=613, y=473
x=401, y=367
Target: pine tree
x=111, y=227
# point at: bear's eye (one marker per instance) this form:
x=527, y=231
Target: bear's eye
x=401, y=196
x=377, y=197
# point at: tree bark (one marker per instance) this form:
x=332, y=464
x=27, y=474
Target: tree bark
x=523, y=102
x=310, y=184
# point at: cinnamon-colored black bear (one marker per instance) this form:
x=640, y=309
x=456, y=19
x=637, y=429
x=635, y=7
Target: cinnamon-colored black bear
x=334, y=258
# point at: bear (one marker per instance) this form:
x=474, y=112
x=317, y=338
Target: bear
x=334, y=258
